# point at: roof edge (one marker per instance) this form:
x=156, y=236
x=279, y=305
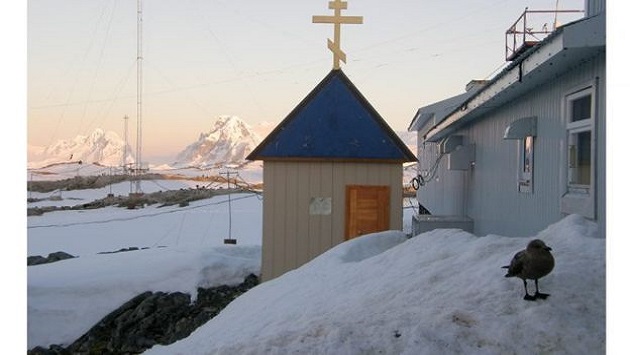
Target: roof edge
x=514, y=71
x=337, y=160
x=255, y=154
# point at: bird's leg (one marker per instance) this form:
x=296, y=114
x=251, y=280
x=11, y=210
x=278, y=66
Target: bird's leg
x=538, y=294
x=527, y=297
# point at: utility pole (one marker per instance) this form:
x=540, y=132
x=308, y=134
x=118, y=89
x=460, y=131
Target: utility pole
x=126, y=137
x=111, y=176
x=229, y=239
x=138, y=165
x=30, y=189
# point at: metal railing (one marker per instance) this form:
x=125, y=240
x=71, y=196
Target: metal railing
x=532, y=27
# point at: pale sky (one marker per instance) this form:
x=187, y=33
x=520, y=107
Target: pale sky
x=250, y=58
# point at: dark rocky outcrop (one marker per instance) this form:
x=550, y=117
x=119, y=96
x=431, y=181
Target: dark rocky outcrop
x=52, y=257
x=151, y=318
x=122, y=250
x=181, y=197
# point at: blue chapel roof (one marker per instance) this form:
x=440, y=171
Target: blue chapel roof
x=334, y=121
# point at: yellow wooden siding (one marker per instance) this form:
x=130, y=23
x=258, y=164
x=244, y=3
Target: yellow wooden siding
x=291, y=235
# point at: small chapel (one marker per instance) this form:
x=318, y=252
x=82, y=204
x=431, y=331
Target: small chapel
x=332, y=169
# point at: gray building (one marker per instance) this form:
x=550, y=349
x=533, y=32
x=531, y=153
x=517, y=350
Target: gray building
x=518, y=152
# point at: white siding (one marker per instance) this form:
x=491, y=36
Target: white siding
x=491, y=197
x=446, y=197
x=594, y=7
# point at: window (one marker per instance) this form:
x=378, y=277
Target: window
x=523, y=130
x=580, y=159
x=579, y=113
x=526, y=164
x=580, y=123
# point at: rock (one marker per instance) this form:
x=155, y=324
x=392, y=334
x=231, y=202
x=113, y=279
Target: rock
x=121, y=250
x=53, y=350
x=36, y=260
x=60, y=255
x=52, y=257
x=152, y=318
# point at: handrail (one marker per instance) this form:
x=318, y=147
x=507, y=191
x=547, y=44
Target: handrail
x=531, y=27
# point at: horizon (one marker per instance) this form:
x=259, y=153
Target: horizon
x=260, y=129
x=202, y=60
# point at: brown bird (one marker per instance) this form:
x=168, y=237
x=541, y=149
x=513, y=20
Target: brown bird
x=532, y=263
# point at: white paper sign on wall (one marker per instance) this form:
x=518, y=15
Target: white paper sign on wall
x=320, y=206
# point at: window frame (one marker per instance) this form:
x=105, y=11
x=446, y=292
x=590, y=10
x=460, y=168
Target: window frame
x=574, y=128
x=526, y=178
x=579, y=198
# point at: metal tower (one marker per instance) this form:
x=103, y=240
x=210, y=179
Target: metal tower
x=123, y=163
x=138, y=166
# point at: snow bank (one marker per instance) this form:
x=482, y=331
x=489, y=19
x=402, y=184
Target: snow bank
x=439, y=292
x=65, y=299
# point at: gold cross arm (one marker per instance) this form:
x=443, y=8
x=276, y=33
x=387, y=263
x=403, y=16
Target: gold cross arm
x=338, y=54
x=356, y=20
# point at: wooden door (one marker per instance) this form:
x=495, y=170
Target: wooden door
x=367, y=210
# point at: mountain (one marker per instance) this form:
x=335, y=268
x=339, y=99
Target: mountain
x=229, y=142
x=104, y=148
x=410, y=170
x=410, y=139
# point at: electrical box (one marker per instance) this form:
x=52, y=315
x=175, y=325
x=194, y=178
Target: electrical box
x=461, y=158
x=450, y=143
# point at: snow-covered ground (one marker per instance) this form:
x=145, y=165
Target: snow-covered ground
x=201, y=224
x=439, y=292
x=181, y=248
x=442, y=292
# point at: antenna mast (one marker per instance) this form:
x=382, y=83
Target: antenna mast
x=138, y=169
x=555, y=19
x=126, y=137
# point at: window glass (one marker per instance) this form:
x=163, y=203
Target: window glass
x=528, y=154
x=580, y=161
x=526, y=165
x=581, y=108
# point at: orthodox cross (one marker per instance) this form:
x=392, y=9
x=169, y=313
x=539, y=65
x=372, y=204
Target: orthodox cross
x=337, y=20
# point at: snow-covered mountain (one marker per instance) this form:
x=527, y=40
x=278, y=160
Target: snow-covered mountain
x=410, y=139
x=229, y=142
x=105, y=148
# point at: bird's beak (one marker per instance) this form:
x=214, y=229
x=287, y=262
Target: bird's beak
x=548, y=249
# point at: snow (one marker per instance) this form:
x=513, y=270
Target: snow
x=184, y=250
x=229, y=142
x=438, y=292
x=202, y=223
x=66, y=298
x=106, y=148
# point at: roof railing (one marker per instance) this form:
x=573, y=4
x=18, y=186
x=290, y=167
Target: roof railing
x=532, y=27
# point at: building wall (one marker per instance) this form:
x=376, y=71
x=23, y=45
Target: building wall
x=291, y=234
x=594, y=7
x=492, y=198
x=446, y=197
